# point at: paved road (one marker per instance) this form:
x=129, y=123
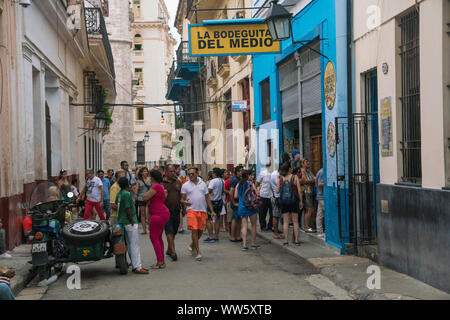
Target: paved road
x=225, y=273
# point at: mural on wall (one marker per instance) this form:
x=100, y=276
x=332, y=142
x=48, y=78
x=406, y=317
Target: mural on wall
x=386, y=127
x=331, y=140
x=330, y=85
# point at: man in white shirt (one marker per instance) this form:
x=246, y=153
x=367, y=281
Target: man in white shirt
x=275, y=176
x=94, y=193
x=215, y=189
x=195, y=196
x=264, y=183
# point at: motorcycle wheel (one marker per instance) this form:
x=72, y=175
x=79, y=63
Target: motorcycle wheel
x=121, y=262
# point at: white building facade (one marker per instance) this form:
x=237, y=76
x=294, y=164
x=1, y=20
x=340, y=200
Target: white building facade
x=152, y=57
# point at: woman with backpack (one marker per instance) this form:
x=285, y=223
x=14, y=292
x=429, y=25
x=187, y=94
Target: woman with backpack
x=308, y=182
x=143, y=186
x=288, y=186
x=248, y=208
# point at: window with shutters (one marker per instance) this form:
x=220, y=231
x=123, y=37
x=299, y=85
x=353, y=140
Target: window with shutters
x=139, y=113
x=137, y=8
x=137, y=42
x=265, y=100
x=289, y=89
x=139, y=75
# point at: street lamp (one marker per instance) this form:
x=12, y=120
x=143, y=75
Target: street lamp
x=100, y=120
x=146, y=137
x=162, y=121
x=279, y=22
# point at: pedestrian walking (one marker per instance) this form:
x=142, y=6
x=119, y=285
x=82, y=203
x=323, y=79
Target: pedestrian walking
x=143, y=185
x=215, y=189
x=113, y=192
x=3, y=253
x=308, y=182
x=159, y=216
x=94, y=193
x=245, y=191
x=128, y=219
x=183, y=179
x=110, y=176
x=106, y=199
x=229, y=210
x=195, y=196
x=264, y=183
x=173, y=188
x=63, y=184
x=236, y=220
x=321, y=203
x=288, y=183
x=275, y=201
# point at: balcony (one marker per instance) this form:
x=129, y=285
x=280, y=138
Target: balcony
x=95, y=25
x=224, y=66
x=175, y=84
x=187, y=66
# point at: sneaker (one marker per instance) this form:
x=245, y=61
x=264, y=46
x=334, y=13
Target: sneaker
x=5, y=256
x=321, y=235
x=198, y=257
x=256, y=247
x=173, y=256
x=209, y=240
x=244, y=249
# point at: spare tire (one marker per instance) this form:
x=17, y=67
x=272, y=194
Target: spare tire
x=85, y=231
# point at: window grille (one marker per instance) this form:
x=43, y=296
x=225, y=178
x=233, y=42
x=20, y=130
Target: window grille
x=410, y=99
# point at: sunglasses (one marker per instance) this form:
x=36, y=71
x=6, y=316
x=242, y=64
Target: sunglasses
x=192, y=174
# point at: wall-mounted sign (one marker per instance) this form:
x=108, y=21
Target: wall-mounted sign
x=386, y=128
x=231, y=37
x=239, y=106
x=331, y=139
x=330, y=85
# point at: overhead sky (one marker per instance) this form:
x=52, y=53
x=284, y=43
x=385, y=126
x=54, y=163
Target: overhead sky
x=172, y=7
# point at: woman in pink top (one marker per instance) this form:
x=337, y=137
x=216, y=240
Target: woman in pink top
x=159, y=215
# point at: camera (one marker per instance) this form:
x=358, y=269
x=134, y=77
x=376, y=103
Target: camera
x=25, y=3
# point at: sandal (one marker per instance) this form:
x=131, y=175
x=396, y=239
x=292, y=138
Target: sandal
x=278, y=237
x=297, y=244
x=141, y=271
x=286, y=244
x=158, y=266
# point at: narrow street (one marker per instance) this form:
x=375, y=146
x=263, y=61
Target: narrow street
x=225, y=273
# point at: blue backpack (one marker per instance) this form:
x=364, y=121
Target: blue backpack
x=287, y=195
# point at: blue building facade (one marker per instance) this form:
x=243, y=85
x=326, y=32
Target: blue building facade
x=324, y=23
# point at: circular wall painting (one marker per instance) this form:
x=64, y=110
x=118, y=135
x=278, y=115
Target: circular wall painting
x=331, y=140
x=330, y=85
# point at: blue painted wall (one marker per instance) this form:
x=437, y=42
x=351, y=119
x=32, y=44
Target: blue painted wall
x=324, y=19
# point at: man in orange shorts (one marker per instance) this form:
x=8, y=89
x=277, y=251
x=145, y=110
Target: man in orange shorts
x=195, y=196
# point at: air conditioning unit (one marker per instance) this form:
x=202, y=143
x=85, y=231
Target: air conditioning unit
x=239, y=15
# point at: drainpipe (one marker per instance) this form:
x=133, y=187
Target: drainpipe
x=300, y=102
x=352, y=220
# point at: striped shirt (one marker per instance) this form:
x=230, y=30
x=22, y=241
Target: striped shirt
x=4, y=279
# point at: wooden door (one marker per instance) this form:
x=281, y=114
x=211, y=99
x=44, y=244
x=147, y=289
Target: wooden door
x=316, y=154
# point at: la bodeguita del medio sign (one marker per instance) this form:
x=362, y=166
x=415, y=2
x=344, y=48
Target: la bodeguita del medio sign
x=231, y=38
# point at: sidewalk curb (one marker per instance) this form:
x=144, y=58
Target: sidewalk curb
x=22, y=278
x=354, y=289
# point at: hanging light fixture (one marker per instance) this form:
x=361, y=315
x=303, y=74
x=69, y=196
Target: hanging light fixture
x=146, y=137
x=163, y=121
x=100, y=120
x=279, y=22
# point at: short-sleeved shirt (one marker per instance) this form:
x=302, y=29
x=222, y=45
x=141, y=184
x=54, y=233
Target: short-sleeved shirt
x=227, y=187
x=144, y=187
x=115, y=189
x=124, y=200
x=216, y=185
x=275, y=176
x=173, y=198
x=195, y=194
x=265, y=180
x=319, y=192
x=106, y=186
x=93, y=192
x=27, y=223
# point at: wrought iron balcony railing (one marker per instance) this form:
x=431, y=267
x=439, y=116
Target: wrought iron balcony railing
x=172, y=74
x=95, y=24
x=183, y=54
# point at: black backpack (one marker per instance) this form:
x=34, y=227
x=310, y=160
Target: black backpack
x=287, y=195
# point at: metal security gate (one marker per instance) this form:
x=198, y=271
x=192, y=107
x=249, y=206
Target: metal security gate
x=357, y=173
